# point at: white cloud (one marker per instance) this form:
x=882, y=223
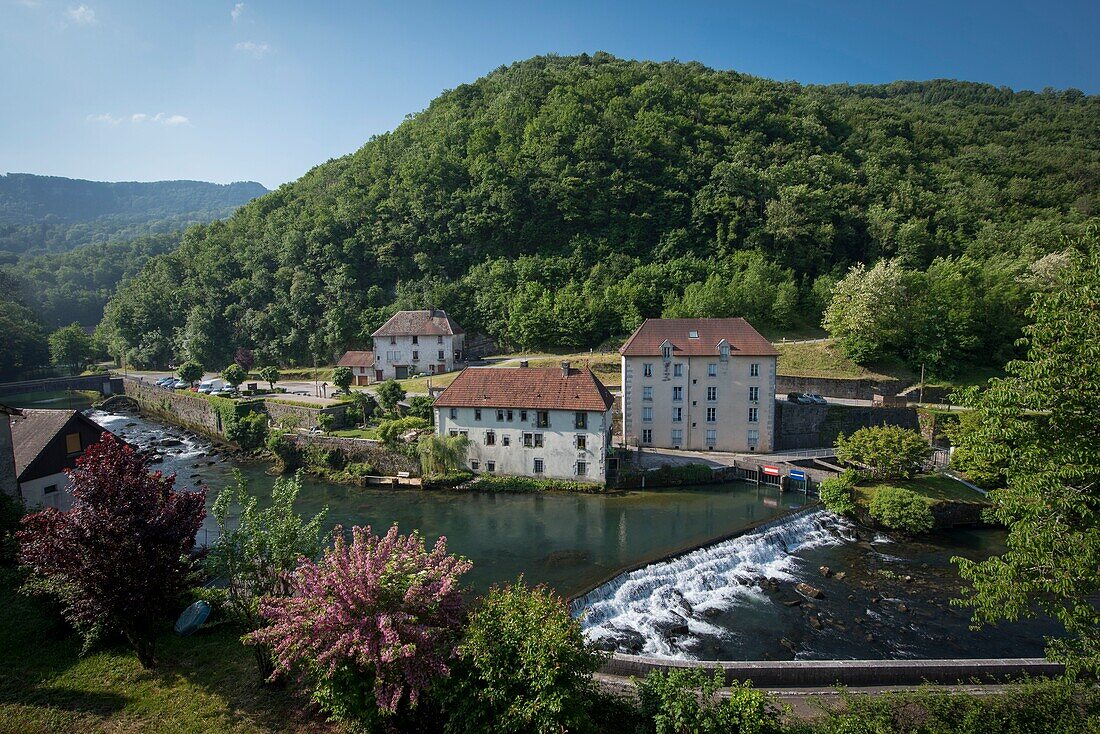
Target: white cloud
x=140, y=118
x=256, y=48
x=237, y=11
x=81, y=15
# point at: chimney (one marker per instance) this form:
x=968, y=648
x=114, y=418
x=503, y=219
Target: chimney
x=565, y=369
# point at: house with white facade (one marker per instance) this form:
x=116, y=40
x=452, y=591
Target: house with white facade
x=361, y=365
x=45, y=443
x=699, y=385
x=416, y=342
x=552, y=423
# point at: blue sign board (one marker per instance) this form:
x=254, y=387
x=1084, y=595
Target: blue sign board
x=798, y=474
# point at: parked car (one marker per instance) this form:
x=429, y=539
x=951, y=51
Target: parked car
x=210, y=386
x=800, y=398
x=816, y=399
x=180, y=385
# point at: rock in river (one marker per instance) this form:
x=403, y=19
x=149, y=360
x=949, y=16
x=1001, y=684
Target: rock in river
x=807, y=590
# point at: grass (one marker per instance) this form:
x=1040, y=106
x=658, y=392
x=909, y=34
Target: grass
x=605, y=365
x=52, y=399
x=419, y=385
x=371, y=433
x=826, y=359
x=935, y=487
x=204, y=683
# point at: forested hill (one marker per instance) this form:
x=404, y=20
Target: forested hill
x=557, y=201
x=50, y=213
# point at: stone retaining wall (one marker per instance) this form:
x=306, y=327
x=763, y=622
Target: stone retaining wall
x=179, y=406
x=836, y=387
x=813, y=426
x=385, y=461
x=307, y=416
x=816, y=673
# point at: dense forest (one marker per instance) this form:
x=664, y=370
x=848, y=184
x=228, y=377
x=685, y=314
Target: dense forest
x=54, y=214
x=558, y=201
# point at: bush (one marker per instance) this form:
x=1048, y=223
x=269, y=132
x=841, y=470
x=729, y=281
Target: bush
x=887, y=452
x=284, y=449
x=687, y=701
x=836, y=493
x=326, y=421
x=524, y=666
x=11, y=513
x=901, y=509
x=248, y=431
x=390, y=431
x=506, y=483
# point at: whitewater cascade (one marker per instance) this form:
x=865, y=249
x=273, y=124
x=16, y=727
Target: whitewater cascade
x=663, y=606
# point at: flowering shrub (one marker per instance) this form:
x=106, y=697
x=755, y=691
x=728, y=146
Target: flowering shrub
x=379, y=613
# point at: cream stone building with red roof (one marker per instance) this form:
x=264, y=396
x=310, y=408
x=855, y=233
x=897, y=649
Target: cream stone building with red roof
x=699, y=385
x=552, y=422
x=416, y=342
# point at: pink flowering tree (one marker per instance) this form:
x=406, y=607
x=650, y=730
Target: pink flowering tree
x=375, y=621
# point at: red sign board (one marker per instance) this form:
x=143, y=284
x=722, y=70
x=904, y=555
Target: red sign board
x=770, y=470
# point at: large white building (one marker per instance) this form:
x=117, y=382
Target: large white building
x=699, y=385
x=414, y=342
x=552, y=423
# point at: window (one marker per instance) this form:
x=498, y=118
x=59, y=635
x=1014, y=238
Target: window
x=506, y=440
x=500, y=415
x=724, y=352
x=666, y=352
x=754, y=369
x=647, y=414
x=712, y=437
x=754, y=415
x=580, y=419
x=647, y=393
x=647, y=436
x=49, y=489
x=647, y=370
x=754, y=437
x=509, y=416
x=440, y=355
x=754, y=394
x=439, y=340
x=454, y=413
x=712, y=369
x=393, y=340
x=677, y=370
x=474, y=465
x=528, y=440
x=523, y=415
x=693, y=334
x=454, y=432
x=72, y=443
x=416, y=356
x=538, y=440
x=490, y=438
x=490, y=466
x=416, y=339
x=712, y=415
x=582, y=468
x=477, y=414
x=712, y=393
x=677, y=436
x=542, y=419
x=582, y=442
x=677, y=393
x=677, y=415
x=538, y=466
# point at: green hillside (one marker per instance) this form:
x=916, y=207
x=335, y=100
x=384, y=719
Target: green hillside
x=557, y=201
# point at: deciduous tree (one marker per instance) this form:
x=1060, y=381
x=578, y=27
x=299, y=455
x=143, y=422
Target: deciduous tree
x=71, y=347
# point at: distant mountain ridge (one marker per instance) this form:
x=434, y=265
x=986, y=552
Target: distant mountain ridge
x=27, y=198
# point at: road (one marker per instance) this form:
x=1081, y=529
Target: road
x=300, y=390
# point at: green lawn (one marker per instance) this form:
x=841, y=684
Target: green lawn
x=371, y=433
x=933, y=486
x=825, y=359
x=204, y=683
x=419, y=385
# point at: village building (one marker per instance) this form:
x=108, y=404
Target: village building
x=699, y=385
x=552, y=423
x=45, y=443
x=361, y=364
x=416, y=342
x=9, y=485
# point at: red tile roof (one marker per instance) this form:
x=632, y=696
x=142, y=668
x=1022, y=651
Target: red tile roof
x=535, y=388
x=743, y=339
x=356, y=359
x=407, y=323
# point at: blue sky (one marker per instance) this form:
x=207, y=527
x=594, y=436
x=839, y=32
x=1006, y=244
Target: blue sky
x=225, y=91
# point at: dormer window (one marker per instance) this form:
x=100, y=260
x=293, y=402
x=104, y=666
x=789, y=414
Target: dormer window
x=666, y=350
x=724, y=350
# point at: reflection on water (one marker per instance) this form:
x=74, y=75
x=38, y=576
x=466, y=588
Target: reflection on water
x=569, y=541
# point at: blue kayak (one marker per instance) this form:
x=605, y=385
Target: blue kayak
x=192, y=618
